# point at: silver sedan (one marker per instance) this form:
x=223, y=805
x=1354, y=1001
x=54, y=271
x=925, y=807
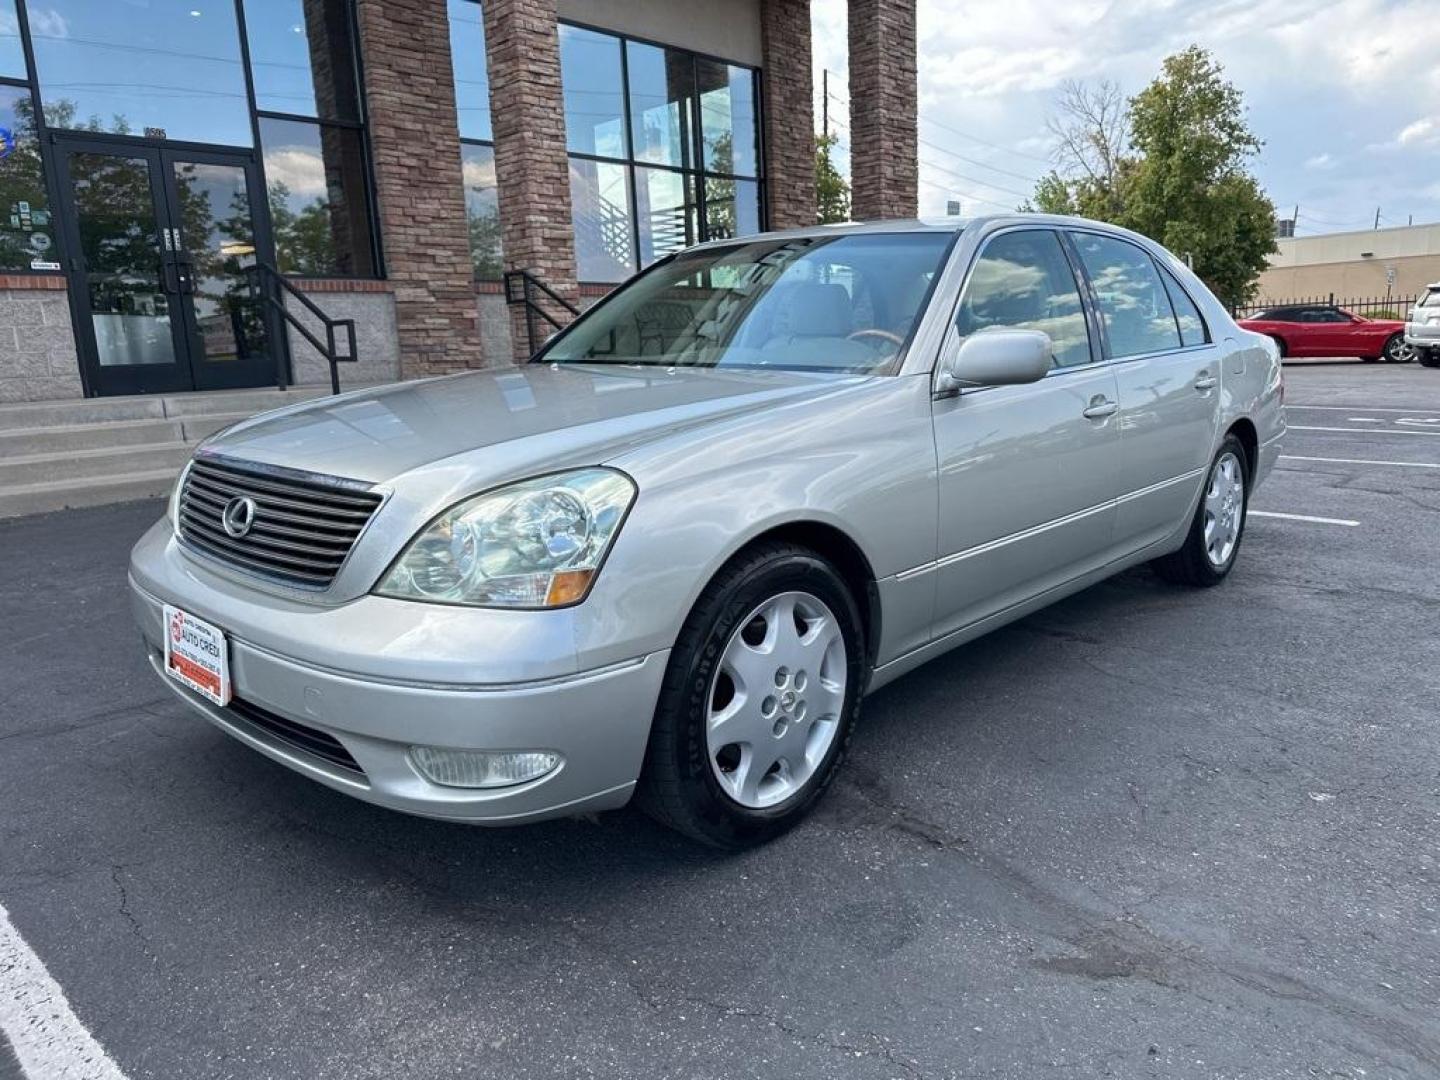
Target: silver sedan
x=669, y=557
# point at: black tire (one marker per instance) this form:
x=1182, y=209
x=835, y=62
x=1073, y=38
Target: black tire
x=1191, y=565
x=1280, y=344
x=1395, y=350
x=678, y=786
x=1428, y=357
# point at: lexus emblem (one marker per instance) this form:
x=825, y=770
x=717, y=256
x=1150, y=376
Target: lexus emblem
x=238, y=516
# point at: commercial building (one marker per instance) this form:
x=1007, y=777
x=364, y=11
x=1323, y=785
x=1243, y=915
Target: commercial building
x=1372, y=263
x=390, y=160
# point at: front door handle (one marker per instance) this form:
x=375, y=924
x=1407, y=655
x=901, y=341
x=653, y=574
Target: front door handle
x=1100, y=407
x=1206, y=381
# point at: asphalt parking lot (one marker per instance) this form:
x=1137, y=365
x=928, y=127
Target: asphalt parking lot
x=1145, y=833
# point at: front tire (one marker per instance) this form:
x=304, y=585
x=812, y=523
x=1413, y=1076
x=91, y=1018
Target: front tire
x=759, y=699
x=1213, y=541
x=1396, y=351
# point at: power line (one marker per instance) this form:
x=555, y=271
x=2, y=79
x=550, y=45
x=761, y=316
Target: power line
x=985, y=142
x=973, y=180
x=964, y=195
x=979, y=164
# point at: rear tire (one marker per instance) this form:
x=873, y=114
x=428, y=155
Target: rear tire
x=1428, y=357
x=1213, y=542
x=1280, y=344
x=792, y=702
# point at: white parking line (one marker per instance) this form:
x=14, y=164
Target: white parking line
x=1366, y=420
x=1361, y=461
x=1302, y=517
x=1358, y=408
x=1367, y=431
x=49, y=1040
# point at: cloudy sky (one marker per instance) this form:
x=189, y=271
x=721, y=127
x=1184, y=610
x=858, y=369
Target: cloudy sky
x=1344, y=93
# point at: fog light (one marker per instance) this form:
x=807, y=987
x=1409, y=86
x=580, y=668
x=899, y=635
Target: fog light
x=482, y=768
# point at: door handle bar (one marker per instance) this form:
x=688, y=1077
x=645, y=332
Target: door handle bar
x=1098, y=410
x=1206, y=382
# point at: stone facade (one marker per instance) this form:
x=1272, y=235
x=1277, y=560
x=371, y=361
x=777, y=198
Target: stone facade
x=884, y=154
x=414, y=141
x=38, y=361
x=789, y=110
x=532, y=172
x=377, y=343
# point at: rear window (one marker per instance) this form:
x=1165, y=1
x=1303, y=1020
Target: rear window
x=1430, y=299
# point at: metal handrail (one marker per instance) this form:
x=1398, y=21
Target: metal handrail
x=520, y=288
x=269, y=283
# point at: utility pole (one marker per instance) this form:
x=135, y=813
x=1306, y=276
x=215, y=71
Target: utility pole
x=1377, y=217
x=825, y=106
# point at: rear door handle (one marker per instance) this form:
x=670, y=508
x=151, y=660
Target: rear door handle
x=1100, y=407
x=1206, y=381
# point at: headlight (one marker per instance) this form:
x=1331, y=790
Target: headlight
x=173, y=510
x=535, y=544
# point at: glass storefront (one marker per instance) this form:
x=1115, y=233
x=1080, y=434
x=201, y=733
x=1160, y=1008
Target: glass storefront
x=186, y=142
x=664, y=150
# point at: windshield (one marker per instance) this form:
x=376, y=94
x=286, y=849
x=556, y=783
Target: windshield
x=819, y=303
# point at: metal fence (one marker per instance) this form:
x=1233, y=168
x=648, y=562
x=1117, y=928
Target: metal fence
x=1371, y=307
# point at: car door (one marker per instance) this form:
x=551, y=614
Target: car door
x=1336, y=334
x=1167, y=371
x=1027, y=474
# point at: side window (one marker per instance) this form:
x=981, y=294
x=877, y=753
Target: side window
x=1023, y=280
x=1187, y=315
x=1131, y=298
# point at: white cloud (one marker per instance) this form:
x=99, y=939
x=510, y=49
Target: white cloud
x=1423, y=132
x=1320, y=161
x=47, y=22
x=299, y=169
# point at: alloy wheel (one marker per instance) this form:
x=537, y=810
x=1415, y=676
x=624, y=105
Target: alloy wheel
x=1399, y=352
x=776, y=699
x=1224, y=509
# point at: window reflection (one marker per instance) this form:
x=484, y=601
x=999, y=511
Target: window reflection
x=1023, y=280
x=482, y=210
x=27, y=233
x=600, y=204
x=165, y=68
x=316, y=178
x=301, y=58
x=727, y=117
x=472, y=82
x=662, y=84
x=692, y=150
x=12, y=53
x=666, y=212
x=1187, y=315
x=1129, y=295
x=594, y=92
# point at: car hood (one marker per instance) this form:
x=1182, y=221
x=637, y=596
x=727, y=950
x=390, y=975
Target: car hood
x=509, y=421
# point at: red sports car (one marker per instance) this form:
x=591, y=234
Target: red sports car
x=1324, y=330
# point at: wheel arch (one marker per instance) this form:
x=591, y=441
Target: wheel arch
x=839, y=548
x=1244, y=430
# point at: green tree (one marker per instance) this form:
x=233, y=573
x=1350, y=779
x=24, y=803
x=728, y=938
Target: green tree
x=832, y=192
x=1169, y=163
x=1191, y=189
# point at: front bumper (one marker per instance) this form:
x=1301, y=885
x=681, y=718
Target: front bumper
x=598, y=720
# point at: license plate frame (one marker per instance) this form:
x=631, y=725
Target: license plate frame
x=197, y=655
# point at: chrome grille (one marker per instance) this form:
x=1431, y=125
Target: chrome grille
x=303, y=527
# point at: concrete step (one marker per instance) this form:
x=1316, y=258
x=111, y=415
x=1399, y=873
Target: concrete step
x=23, y=442
x=46, y=414
x=93, y=464
x=19, y=499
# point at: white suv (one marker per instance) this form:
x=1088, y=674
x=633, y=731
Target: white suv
x=1422, y=328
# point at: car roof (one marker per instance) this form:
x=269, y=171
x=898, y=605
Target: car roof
x=927, y=225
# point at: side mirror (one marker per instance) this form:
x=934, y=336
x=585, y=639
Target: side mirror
x=1000, y=357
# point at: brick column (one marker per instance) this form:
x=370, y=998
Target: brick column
x=532, y=173
x=884, y=159
x=415, y=145
x=789, y=113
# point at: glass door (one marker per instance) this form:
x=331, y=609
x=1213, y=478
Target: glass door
x=214, y=245
x=163, y=241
